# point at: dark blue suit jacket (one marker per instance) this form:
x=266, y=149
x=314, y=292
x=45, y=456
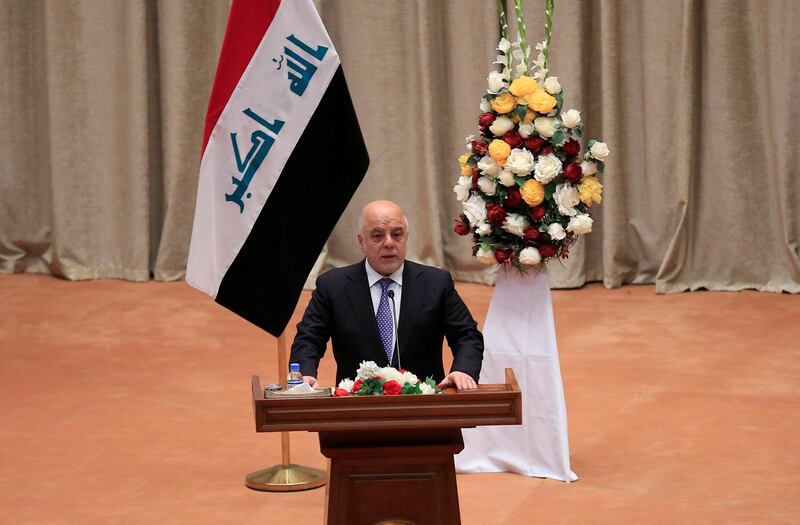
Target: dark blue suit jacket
x=431, y=310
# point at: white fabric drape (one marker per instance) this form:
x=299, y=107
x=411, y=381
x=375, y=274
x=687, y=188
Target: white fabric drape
x=520, y=333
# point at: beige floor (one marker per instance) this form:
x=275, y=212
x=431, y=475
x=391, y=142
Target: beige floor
x=128, y=403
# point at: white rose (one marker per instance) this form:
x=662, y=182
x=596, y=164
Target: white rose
x=487, y=186
x=588, y=168
x=580, y=225
x=566, y=196
x=506, y=178
x=530, y=256
x=426, y=389
x=571, y=118
x=485, y=106
x=409, y=378
x=391, y=374
x=501, y=126
x=545, y=126
x=496, y=81
x=547, y=168
x=599, y=151
x=525, y=129
x=485, y=256
x=484, y=229
x=488, y=166
x=462, y=188
x=346, y=384
x=556, y=231
x=552, y=86
x=520, y=161
x=474, y=209
x=515, y=224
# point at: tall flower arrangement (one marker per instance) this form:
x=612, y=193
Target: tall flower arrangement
x=526, y=184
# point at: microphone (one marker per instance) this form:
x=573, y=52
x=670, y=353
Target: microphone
x=390, y=293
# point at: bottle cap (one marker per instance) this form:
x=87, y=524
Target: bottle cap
x=294, y=367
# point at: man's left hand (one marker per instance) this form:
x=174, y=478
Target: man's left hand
x=460, y=380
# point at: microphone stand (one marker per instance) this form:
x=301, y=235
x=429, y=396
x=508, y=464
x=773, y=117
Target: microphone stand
x=390, y=293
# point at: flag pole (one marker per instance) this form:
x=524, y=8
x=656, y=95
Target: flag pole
x=285, y=477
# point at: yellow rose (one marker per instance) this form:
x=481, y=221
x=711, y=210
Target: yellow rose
x=523, y=86
x=499, y=150
x=462, y=160
x=530, y=116
x=541, y=101
x=532, y=192
x=504, y=103
x=467, y=171
x=590, y=191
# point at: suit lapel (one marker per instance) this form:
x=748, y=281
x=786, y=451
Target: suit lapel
x=361, y=303
x=413, y=292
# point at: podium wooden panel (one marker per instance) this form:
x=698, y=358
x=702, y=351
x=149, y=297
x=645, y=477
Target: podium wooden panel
x=391, y=457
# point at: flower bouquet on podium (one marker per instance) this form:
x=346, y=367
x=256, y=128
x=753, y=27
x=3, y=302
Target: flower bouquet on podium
x=372, y=380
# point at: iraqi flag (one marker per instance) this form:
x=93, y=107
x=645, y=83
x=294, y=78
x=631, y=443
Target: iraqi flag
x=282, y=156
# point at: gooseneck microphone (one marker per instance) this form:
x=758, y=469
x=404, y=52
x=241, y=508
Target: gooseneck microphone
x=390, y=293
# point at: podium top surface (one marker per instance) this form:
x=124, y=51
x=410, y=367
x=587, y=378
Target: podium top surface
x=496, y=404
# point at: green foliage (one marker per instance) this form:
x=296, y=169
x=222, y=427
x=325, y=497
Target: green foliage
x=601, y=166
x=549, y=190
x=409, y=389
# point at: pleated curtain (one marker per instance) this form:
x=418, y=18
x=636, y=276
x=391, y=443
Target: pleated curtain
x=103, y=106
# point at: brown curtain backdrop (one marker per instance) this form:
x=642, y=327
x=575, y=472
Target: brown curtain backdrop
x=103, y=105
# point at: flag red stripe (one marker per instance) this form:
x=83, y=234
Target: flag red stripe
x=247, y=23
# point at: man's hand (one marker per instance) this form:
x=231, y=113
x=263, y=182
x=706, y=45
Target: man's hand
x=460, y=380
x=310, y=380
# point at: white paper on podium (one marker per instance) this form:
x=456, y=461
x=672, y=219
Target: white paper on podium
x=519, y=333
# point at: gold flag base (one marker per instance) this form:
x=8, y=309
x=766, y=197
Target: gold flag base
x=286, y=478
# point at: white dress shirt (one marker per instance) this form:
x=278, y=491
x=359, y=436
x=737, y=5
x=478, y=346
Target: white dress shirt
x=375, y=291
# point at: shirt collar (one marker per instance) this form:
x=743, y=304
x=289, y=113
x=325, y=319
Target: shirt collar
x=373, y=276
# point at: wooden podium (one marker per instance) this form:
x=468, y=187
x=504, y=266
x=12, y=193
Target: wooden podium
x=391, y=457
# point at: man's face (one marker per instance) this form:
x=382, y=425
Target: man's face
x=383, y=238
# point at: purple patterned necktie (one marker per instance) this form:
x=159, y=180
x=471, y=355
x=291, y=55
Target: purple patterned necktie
x=384, y=318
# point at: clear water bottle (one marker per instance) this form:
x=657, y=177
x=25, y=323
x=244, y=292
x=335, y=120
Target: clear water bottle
x=295, y=377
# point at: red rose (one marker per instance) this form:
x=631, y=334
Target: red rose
x=356, y=386
x=534, y=143
x=341, y=392
x=547, y=250
x=392, y=388
x=513, y=139
x=513, y=198
x=573, y=172
x=571, y=148
x=495, y=213
x=502, y=256
x=538, y=212
x=548, y=150
x=486, y=119
x=461, y=228
x=478, y=147
x=475, y=177
x=531, y=234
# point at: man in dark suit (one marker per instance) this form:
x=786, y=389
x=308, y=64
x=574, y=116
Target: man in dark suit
x=352, y=306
